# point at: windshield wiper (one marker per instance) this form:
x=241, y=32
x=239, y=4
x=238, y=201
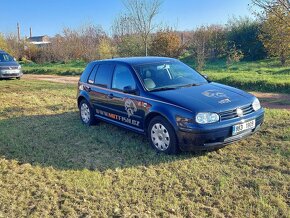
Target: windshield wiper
x=189, y=85
x=163, y=89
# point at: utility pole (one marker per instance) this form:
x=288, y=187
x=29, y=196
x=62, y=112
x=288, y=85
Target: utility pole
x=30, y=31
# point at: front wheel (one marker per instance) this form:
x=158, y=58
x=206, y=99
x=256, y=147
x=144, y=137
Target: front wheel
x=162, y=136
x=87, y=113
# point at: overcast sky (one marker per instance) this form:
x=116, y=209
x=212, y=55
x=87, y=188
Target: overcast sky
x=50, y=17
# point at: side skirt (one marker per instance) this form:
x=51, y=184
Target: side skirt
x=134, y=129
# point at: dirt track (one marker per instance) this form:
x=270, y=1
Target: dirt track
x=268, y=100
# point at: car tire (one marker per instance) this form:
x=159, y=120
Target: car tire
x=18, y=78
x=87, y=114
x=162, y=136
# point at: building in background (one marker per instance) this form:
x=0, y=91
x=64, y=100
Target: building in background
x=39, y=41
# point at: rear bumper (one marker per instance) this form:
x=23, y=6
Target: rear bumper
x=217, y=136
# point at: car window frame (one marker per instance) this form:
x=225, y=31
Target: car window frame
x=132, y=74
x=95, y=71
x=107, y=86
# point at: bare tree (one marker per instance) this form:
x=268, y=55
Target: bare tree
x=142, y=13
x=123, y=25
x=273, y=7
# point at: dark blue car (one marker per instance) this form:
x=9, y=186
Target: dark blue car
x=175, y=106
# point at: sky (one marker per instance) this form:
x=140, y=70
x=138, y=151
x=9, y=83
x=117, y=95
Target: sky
x=50, y=17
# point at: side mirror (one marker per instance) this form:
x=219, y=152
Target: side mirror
x=206, y=77
x=129, y=90
x=14, y=59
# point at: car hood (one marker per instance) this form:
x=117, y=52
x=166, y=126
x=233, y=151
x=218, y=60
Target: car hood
x=210, y=97
x=9, y=64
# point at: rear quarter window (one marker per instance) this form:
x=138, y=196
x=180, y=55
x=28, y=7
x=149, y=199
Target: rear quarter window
x=85, y=75
x=92, y=76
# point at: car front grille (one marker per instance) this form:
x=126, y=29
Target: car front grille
x=9, y=68
x=230, y=114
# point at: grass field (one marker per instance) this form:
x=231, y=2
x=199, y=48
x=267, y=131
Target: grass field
x=52, y=165
x=74, y=68
x=265, y=76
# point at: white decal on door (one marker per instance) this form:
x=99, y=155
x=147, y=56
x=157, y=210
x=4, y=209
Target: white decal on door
x=130, y=107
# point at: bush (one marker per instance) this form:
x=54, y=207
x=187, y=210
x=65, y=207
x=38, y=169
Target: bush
x=166, y=43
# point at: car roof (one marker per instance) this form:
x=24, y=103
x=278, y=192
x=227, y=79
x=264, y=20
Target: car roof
x=138, y=60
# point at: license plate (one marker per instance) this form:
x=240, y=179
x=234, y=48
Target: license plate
x=243, y=126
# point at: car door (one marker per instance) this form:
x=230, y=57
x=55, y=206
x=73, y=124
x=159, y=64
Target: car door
x=125, y=105
x=99, y=83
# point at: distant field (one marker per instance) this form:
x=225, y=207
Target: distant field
x=265, y=76
x=74, y=68
x=52, y=165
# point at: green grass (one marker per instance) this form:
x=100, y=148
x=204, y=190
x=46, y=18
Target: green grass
x=265, y=76
x=52, y=165
x=73, y=68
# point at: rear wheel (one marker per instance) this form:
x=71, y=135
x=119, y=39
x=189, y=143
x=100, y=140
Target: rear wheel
x=87, y=114
x=162, y=136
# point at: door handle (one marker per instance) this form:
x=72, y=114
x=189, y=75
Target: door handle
x=88, y=88
x=110, y=96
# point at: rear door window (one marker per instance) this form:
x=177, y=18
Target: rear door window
x=104, y=75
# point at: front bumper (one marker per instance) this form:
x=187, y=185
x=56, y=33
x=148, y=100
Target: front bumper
x=216, y=135
x=7, y=74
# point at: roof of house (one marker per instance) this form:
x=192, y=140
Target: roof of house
x=37, y=38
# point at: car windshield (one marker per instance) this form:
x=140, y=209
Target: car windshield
x=4, y=57
x=168, y=75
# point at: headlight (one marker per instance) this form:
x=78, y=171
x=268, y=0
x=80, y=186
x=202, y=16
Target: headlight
x=203, y=118
x=256, y=104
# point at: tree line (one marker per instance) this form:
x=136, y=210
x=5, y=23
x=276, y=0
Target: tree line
x=136, y=33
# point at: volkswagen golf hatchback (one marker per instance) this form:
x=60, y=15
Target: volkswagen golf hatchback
x=171, y=103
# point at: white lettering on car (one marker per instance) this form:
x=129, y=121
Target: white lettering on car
x=118, y=118
x=224, y=101
x=214, y=94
